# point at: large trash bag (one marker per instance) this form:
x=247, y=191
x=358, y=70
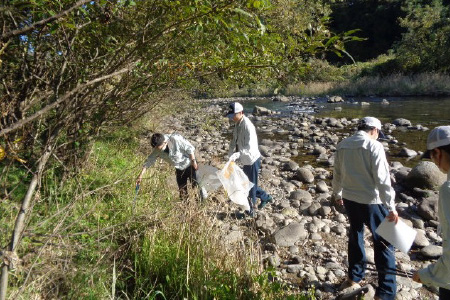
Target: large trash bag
x=236, y=183
x=207, y=178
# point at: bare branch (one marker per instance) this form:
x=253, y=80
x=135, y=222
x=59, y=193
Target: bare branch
x=64, y=98
x=43, y=22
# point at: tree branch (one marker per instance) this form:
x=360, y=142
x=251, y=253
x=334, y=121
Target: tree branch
x=43, y=22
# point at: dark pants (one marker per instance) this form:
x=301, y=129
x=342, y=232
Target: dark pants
x=371, y=215
x=444, y=294
x=182, y=180
x=256, y=192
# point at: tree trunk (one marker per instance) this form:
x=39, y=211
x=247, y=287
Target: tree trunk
x=20, y=220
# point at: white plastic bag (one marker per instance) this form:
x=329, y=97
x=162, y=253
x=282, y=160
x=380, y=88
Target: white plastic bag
x=207, y=178
x=236, y=183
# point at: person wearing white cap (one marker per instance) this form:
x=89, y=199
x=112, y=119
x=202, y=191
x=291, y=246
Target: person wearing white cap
x=362, y=183
x=438, y=274
x=244, y=147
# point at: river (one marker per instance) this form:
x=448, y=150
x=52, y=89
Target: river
x=426, y=111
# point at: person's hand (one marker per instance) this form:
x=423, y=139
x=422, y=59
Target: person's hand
x=235, y=156
x=194, y=164
x=392, y=216
x=416, y=277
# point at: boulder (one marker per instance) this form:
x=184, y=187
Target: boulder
x=289, y=235
x=301, y=195
x=428, y=208
x=261, y=111
x=401, y=122
x=305, y=175
x=405, y=152
x=425, y=175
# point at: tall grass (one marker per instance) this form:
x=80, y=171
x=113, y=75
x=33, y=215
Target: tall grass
x=85, y=240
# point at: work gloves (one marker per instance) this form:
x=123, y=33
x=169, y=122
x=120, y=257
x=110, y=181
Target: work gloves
x=235, y=156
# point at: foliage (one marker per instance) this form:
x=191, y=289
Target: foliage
x=424, y=47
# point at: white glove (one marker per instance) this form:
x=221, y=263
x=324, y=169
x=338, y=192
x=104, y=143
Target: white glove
x=235, y=156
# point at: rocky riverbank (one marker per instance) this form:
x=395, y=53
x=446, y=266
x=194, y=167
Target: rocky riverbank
x=302, y=234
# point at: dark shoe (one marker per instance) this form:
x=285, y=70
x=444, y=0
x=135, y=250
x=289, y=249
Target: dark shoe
x=245, y=215
x=264, y=202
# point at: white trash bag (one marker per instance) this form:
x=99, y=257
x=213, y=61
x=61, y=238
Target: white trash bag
x=236, y=183
x=207, y=178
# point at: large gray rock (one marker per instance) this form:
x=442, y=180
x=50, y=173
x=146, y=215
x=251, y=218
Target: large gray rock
x=402, y=122
x=428, y=208
x=431, y=251
x=405, y=152
x=425, y=175
x=261, y=111
x=289, y=235
x=301, y=195
x=290, y=166
x=305, y=175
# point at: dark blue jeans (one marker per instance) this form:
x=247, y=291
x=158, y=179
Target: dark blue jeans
x=256, y=192
x=371, y=215
x=444, y=294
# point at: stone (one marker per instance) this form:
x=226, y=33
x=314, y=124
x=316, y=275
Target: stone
x=289, y=235
x=234, y=237
x=321, y=187
x=428, y=208
x=421, y=239
x=305, y=175
x=405, y=152
x=425, y=175
x=301, y=195
x=290, y=166
x=401, y=122
x=431, y=251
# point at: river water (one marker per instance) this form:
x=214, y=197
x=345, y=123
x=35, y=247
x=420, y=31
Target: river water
x=426, y=111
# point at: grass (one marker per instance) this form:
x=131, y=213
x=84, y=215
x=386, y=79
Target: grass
x=84, y=240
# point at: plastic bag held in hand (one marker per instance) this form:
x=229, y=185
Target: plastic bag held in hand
x=235, y=156
x=236, y=183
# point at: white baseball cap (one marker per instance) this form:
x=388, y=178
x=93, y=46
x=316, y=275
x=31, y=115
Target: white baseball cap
x=439, y=136
x=372, y=122
x=234, y=108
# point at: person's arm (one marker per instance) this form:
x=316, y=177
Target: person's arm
x=148, y=163
x=382, y=178
x=337, y=180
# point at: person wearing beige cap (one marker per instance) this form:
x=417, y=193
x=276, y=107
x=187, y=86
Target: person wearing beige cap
x=438, y=274
x=362, y=183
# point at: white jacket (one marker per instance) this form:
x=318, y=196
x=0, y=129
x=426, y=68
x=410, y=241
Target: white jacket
x=361, y=172
x=245, y=142
x=179, y=151
x=438, y=274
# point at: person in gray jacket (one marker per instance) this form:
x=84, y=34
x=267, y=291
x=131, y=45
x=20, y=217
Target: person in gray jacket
x=361, y=182
x=438, y=274
x=244, y=147
x=179, y=152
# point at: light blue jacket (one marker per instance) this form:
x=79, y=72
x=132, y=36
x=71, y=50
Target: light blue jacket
x=438, y=274
x=179, y=151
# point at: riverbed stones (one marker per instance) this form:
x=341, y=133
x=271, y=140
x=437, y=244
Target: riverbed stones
x=405, y=152
x=301, y=195
x=425, y=175
x=289, y=235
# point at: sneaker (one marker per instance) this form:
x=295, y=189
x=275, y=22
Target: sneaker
x=245, y=215
x=347, y=284
x=264, y=202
